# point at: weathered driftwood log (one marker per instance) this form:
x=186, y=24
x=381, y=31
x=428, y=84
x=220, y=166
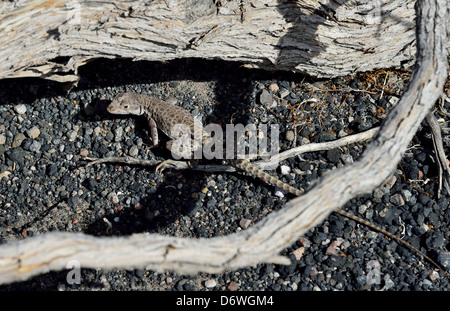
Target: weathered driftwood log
x=264, y=241
x=51, y=39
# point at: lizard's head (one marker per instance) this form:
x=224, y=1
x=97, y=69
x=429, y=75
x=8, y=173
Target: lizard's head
x=125, y=103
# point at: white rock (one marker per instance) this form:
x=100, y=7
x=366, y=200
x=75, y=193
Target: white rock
x=20, y=109
x=406, y=194
x=285, y=169
x=433, y=275
x=393, y=100
x=210, y=283
x=279, y=193
x=362, y=209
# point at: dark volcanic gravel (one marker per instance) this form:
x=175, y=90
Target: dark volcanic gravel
x=45, y=132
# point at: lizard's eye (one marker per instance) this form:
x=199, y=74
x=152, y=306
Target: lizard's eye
x=126, y=106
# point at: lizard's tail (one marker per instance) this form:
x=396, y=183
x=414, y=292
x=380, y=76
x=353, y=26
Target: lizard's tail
x=254, y=171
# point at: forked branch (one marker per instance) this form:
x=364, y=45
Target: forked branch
x=265, y=240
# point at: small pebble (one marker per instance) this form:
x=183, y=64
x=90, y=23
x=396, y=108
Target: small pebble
x=290, y=135
x=393, y=100
x=210, y=283
x=140, y=273
x=331, y=250
x=134, y=150
x=266, y=99
x=52, y=169
x=397, y=199
x=211, y=183
x=342, y=133
x=433, y=275
x=347, y=159
x=244, y=223
x=406, y=194
x=362, y=209
x=18, y=139
x=20, y=109
x=274, y=87
x=284, y=93
x=427, y=283
x=35, y=146
x=388, y=283
x=313, y=271
x=84, y=152
x=118, y=134
x=279, y=193
x=113, y=197
x=72, y=135
x=34, y=132
x=233, y=286
x=97, y=130
x=305, y=242
x=298, y=253
x=390, y=182
x=285, y=170
x=109, y=136
x=2, y=139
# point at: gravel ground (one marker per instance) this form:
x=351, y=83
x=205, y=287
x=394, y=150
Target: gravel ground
x=45, y=131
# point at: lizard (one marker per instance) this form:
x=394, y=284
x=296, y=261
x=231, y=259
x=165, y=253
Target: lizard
x=164, y=115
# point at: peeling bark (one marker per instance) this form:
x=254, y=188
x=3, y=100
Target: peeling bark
x=52, y=39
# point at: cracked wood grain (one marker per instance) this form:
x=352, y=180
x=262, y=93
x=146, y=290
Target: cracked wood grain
x=337, y=37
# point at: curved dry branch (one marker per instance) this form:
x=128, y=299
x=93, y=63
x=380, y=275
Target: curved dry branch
x=262, y=242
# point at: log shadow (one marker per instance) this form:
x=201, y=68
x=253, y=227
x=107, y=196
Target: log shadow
x=231, y=100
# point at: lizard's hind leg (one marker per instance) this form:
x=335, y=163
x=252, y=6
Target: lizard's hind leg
x=181, y=154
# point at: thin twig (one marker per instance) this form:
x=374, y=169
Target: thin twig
x=441, y=159
x=262, y=164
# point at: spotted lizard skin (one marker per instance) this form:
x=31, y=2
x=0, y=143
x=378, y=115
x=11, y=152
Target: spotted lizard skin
x=164, y=115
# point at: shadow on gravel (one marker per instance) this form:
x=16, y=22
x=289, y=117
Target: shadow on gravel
x=45, y=282
x=233, y=94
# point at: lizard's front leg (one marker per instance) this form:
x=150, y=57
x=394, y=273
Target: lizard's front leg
x=153, y=132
